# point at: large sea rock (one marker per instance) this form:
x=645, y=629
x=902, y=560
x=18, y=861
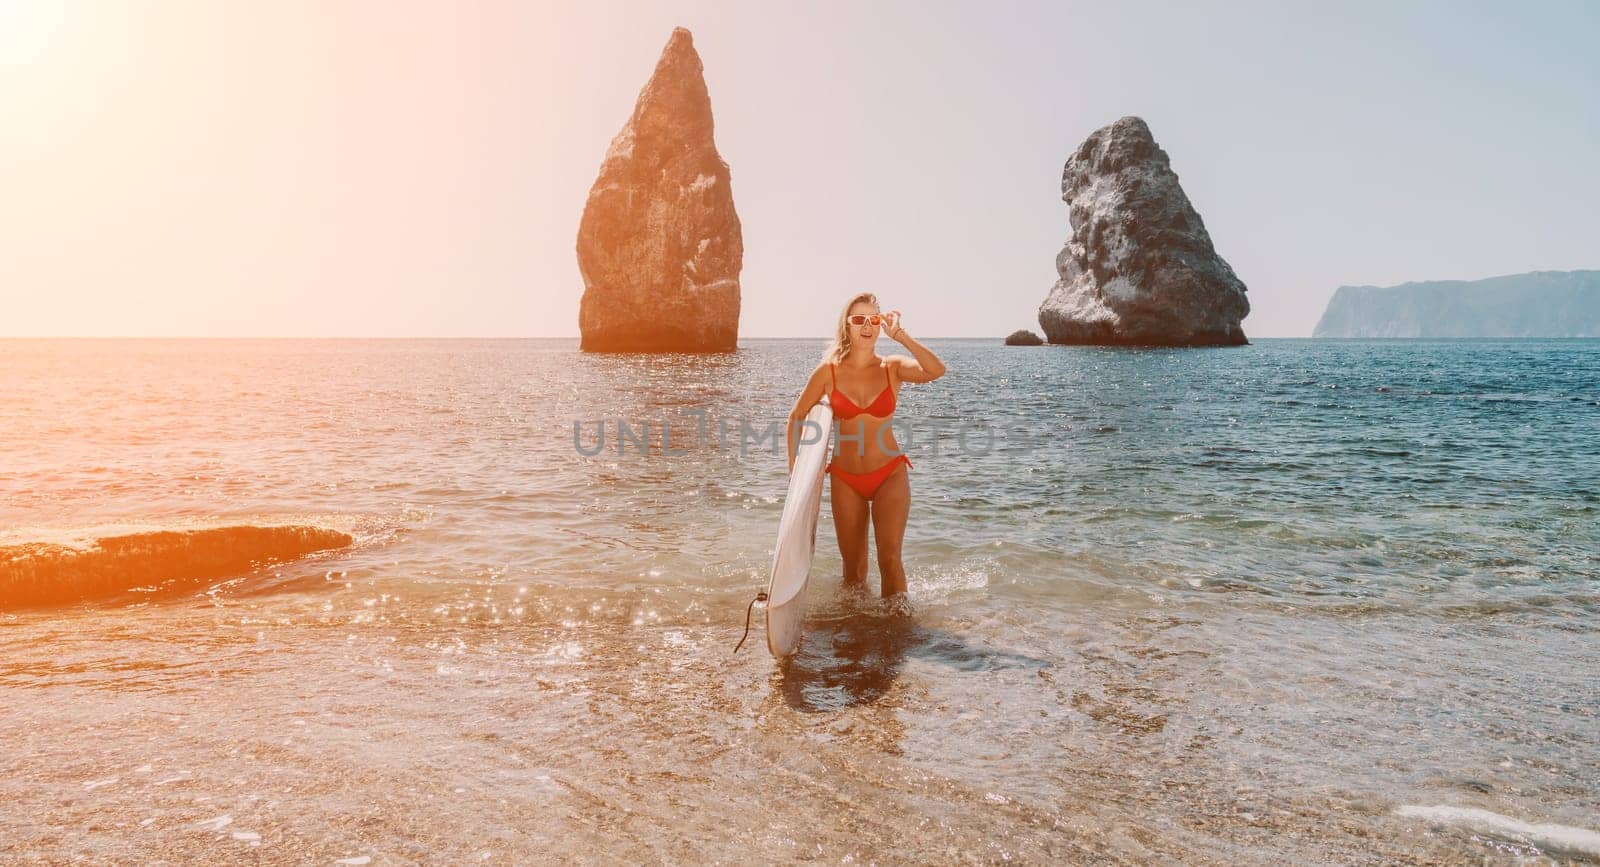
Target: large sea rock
x=1537, y=304
x=659, y=245
x=1139, y=267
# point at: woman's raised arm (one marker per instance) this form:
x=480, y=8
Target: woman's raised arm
x=924, y=366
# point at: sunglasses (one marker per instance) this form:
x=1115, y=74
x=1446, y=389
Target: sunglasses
x=863, y=319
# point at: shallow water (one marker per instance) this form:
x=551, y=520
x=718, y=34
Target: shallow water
x=1235, y=605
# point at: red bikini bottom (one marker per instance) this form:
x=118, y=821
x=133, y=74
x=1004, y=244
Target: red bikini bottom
x=867, y=484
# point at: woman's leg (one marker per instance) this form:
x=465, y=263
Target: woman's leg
x=850, y=525
x=891, y=504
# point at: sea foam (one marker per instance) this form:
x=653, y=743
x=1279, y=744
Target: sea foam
x=1550, y=838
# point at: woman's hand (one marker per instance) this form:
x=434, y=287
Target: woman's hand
x=893, y=327
x=923, y=366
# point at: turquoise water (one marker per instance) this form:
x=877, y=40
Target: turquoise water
x=1229, y=604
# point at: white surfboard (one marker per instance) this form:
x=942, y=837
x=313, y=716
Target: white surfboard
x=797, y=533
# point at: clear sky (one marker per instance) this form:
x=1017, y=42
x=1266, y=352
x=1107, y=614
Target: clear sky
x=291, y=168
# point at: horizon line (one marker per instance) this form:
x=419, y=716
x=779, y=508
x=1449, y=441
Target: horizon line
x=822, y=338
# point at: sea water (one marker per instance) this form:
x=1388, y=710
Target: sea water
x=1303, y=600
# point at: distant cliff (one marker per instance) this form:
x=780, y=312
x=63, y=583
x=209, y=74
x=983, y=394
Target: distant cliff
x=1537, y=304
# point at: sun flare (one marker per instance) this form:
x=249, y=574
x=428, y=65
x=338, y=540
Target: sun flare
x=33, y=34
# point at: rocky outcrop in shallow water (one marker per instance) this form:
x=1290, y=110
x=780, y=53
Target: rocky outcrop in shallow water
x=43, y=573
x=1537, y=304
x=660, y=245
x=1139, y=267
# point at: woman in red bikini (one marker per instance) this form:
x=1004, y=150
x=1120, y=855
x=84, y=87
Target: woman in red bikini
x=867, y=459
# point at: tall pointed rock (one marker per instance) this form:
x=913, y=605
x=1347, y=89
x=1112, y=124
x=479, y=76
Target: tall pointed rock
x=1139, y=267
x=659, y=246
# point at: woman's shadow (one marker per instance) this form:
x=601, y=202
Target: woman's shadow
x=856, y=644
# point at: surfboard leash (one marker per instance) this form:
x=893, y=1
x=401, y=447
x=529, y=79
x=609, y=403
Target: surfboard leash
x=760, y=597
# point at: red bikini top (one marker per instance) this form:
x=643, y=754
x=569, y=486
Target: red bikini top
x=882, y=406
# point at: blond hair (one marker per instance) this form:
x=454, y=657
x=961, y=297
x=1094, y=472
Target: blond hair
x=840, y=347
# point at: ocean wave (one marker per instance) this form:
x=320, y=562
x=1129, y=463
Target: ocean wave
x=37, y=574
x=1562, y=839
